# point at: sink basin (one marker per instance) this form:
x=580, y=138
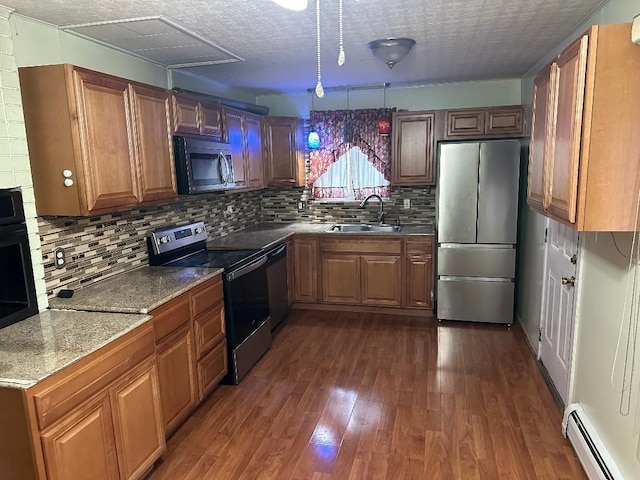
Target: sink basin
x=363, y=228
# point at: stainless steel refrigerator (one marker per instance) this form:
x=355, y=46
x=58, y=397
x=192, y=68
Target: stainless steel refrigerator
x=477, y=214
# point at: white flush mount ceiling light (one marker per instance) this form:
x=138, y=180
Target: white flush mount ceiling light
x=297, y=5
x=391, y=50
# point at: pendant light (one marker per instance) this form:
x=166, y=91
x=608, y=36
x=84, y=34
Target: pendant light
x=313, y=140
x=384, y=125
x=341, y=55
x=319, y=88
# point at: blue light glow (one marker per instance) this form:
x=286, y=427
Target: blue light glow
x=313, y=141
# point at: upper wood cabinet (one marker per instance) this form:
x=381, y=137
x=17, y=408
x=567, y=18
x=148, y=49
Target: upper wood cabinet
x=244, y=133
x=284, y=151
x=584, y=146
x=192, y=116
x=414, y=148
x=493, y=122
x=97, y=143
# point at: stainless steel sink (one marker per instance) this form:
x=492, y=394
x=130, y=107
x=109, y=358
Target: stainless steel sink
x=362, y=228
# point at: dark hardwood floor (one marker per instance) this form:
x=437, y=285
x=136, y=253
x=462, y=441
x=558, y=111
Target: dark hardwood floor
x=366, y=396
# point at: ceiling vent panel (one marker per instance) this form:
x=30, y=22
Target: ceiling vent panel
x=157, y=40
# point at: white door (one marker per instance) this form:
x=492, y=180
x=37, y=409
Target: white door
x=557, y=304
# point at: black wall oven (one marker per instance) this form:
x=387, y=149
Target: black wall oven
x=17, y=287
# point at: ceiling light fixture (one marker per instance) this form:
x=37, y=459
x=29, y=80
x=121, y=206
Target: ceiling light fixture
x=391, y=50
x=297, y=5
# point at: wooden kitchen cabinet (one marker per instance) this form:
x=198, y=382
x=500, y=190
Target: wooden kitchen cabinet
x=211, y=369
x=306, y=269
x=290, y=272
x=382, y=280
x=139, y=432
x=588, y=149
x=83, y=444
x=244, y=133
x=97, y=143
x=414, y=148
x=341, y=278
x=480, y=123
x=284, y=151
x=193, y=116
x=418, y=284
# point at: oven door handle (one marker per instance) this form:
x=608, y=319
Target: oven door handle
x=231, y=276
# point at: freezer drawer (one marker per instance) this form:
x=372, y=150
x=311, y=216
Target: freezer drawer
x=477, y=261
x=475, y=300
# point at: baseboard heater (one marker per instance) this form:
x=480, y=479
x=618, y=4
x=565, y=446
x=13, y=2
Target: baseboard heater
x=594, y=457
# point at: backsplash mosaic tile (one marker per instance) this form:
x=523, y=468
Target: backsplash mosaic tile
x=281, y=205
x=101, y=246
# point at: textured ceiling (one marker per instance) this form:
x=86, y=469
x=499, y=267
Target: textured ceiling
x=456, y=39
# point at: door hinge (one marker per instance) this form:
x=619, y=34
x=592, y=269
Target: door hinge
x=574, y=259
x=540, y=334
x=546, y=235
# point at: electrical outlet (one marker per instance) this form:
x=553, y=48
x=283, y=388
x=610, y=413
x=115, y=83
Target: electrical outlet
x=229, y=208
x=60, y=257
x=302, y=205
x=407, y=203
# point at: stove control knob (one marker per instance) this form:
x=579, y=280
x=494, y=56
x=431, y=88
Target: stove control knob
x=164, y=239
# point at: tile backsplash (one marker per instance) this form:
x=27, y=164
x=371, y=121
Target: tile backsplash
x=101, y=246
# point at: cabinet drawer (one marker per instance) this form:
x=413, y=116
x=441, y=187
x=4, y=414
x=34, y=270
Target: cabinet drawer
x=211, y=369
x=422, y=246
x=477, y=262
x=170, y=317
x=391, y=246
x=206, y=296
x=209, y=329
x=74, y=385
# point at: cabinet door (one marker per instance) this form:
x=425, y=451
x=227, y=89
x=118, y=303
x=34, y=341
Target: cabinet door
x=107, y=144
x=465, y=123
x=210, y=119
x=255, y=168
x=152, y=125
x=281, y=155
x=290, y=271
x=564, y=162
x=177, y=378
x=541, y=132
x=504, y=121
x=209, y=329
x=413, y=149
x=305, y=252
x=381, y=280
x=419, y=281
x=137, y=419
x=81, y=446
x=341, y=278
x=186, y=117
x=211, y=369
x=234, y=125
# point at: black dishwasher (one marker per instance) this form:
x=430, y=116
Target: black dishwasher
x=277, y=284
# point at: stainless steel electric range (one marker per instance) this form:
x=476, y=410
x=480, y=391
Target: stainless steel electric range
x=246, y=294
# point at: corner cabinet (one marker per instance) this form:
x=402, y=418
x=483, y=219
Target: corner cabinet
x=97, y=143
x=414, y=148
x=244, y=132
x=284, y=151
x=583, y=158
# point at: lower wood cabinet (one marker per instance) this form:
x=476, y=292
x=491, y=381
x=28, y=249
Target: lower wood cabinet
x=341, y=278
x=419, y=273
x=211, y=369
x=290, y=271
x=305, y=252
x=382, y=280
x=82, y=445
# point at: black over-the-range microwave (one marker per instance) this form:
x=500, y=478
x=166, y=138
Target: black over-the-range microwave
x=202, y=165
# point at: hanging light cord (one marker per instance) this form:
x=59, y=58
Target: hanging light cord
x=341, y=54
x=319, y=89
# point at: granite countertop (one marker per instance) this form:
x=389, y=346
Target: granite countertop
x=136, y=291
x=41, y=345
x=267, y=235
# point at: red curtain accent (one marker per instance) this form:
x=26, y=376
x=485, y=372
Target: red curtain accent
x=340, y=130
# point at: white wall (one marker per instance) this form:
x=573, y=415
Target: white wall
x=600, y=298
x=197, y=83
x=431, y=97
x=15, y=169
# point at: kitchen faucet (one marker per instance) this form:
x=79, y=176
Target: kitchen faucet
x=380, y=209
